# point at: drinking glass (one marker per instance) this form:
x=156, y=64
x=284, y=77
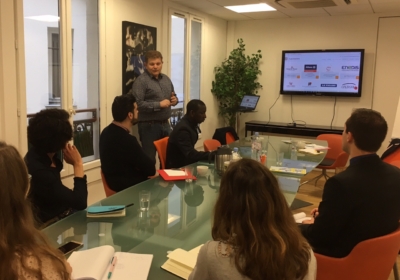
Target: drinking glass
x=279, y=161
x=189, y=172
x=144, y=197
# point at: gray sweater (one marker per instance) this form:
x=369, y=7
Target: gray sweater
x=212, y=265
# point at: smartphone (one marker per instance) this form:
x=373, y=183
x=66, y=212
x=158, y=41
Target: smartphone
x=70, y=246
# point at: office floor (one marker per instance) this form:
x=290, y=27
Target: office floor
x=313, y=194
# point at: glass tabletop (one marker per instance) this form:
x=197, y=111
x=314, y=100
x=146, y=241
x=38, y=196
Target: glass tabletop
x=179, y=214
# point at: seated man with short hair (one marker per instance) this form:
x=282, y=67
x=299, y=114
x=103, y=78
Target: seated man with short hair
x=361, y=202
x=123, y=161
x=180, y=149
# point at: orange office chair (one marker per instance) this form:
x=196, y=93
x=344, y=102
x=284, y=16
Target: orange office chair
x=394, y=158
x=229, y=138
x=211, y=145
x=371, y=259
x=335, y=156
x=107, y=190
x=161, y=147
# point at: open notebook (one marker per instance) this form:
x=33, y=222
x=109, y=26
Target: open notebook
x=94, y=264
x=181, y=262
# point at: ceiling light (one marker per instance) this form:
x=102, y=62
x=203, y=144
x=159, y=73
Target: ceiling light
x=262, y=7
x=46, y=18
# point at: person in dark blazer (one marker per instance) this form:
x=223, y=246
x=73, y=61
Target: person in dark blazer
x=180, y=149
x=361, y=202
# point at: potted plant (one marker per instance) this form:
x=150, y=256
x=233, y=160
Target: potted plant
x=234, y=78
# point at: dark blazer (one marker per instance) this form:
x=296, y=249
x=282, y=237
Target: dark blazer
x=220, y=134
x=180, y=149
x=359, y=203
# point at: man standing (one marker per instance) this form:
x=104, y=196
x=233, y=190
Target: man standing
x=361, y=202
x=155, y=95
x=180, y=149
x=123, y=161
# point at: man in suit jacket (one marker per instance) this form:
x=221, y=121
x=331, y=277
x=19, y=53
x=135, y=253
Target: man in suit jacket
x=180, y=149
x=361, y=202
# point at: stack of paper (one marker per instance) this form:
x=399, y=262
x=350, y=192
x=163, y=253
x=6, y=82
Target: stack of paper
x=311, y=151
x=300, y=217
x=181, y=262
x=282, y=169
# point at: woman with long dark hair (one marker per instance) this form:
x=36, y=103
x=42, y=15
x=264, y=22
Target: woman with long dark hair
x=255, y=235
x=24, y=251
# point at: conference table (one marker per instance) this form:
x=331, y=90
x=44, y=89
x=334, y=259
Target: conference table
x=180, y=213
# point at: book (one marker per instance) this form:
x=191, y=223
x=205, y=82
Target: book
x=173, y=175
x=94, y=264
x=300, y=217
x=106, y=211
x=181, y=262
x=282, y=169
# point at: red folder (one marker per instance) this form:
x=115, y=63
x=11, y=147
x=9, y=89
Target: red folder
x=166, y=177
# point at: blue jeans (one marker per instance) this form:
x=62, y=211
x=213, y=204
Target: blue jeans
x=150, y=132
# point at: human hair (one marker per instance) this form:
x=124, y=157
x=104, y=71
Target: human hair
x=252, y=216
x=50, y=130
x=194, y=105
x=152, y=54
x=20, y=241
x=368, y=128
x=121, y=106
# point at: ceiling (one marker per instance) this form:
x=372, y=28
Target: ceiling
x=216, y=8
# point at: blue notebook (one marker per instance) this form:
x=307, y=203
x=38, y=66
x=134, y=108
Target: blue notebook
x=106, y=211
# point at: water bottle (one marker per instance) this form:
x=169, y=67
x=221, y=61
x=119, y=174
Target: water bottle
x=256, y=147
x=235, y=154
x=293, y=153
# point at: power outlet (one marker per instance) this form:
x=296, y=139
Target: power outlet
x=199, y=135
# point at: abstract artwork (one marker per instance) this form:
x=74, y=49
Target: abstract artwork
x=137, y=39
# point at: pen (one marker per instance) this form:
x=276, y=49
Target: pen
x=126, y=206
x=112, y=265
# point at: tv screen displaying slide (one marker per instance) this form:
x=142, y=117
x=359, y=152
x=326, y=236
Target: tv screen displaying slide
x=322, y=72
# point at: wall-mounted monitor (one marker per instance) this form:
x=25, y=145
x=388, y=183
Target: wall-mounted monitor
x=322, y=72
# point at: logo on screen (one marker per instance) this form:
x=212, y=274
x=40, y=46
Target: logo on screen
x=328, y=68
x=350, y=68
x=310, y=68
x=291, y=68
x=291, y=85
x=350, y=86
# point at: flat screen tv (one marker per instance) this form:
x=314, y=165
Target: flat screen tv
x=322, y=72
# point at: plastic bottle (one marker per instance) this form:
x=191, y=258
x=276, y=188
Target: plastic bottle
x=263, y=157
x=256, y=147
x=293, y=153
x=235, y=154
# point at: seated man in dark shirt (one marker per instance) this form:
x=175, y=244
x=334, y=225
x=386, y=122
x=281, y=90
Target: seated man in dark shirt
x=123, y=161
x=361, y=202
x=49, y=132
x=180, y=149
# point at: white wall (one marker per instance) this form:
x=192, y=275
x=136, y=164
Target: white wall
x=273, y=36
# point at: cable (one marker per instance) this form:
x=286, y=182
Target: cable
x=269, y=110
x=291, y=108
x=334, y=107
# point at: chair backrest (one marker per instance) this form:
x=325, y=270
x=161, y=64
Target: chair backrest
x=393, y=158
x=229, y=138
x=334, y=143
x=161, y=147
x=211, y=144
x=107, y=190
x=371, y=259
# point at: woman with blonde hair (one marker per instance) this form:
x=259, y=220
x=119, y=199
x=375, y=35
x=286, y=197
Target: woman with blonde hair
x=24, y=251
x=255, y=235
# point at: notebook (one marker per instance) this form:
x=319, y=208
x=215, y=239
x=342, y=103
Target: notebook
x=174, y=175
x=289, y=170
x=300, y=217
x=181, y=262
x=248, y=103
x=94, y=264
x=106, y=211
